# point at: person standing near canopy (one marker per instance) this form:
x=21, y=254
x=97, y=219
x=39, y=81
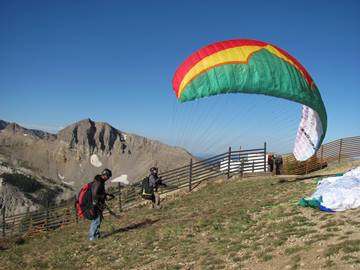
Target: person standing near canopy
x=271, y=162
x=278, y=164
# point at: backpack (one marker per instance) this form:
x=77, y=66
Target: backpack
x=147, y=192
x=84, y=203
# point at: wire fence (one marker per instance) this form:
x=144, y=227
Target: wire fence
x=240, y=162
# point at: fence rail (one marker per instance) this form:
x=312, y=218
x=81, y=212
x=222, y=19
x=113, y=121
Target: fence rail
x=186, y=177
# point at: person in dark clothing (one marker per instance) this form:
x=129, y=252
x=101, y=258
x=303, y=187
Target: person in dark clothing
x=278, y=164
x=271, y=162
x=155, y=182
x=99, y=197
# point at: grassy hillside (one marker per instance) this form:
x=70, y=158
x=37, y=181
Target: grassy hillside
x=233, y=224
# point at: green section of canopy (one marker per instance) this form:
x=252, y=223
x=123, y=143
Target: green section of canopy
x=264, y=74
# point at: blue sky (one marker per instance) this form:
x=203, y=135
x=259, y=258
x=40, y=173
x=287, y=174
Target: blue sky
x=113, y=61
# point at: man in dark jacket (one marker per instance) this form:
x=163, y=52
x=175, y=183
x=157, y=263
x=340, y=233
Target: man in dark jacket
x=99, y=196
x=155, y=182
x=271, y=162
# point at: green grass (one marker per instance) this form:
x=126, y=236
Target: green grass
x=294, y=249
x=245, y=223
x=294, y=262
x=347, y=247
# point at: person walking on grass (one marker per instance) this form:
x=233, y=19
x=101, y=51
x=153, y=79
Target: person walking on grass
x=150, y=186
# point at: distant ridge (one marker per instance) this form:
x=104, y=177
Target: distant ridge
x=17, y=128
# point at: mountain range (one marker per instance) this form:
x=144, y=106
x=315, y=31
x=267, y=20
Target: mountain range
x=38, y=167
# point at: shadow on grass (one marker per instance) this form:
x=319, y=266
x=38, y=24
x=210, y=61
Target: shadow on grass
x=134, y=226
x=6, y=243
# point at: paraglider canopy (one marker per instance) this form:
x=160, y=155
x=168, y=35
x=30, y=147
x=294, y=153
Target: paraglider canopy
x=255, y=67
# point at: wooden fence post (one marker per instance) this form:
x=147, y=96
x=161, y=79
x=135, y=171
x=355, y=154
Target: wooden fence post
x=229, y=157
x=3, y=221
x=119, y=199
x=30, y=221
x=340, y=150
x=242, y=168
x=75, y=211
x=190, y=174
x=13, y=227
x=22, y=224
x=321, y=156
x=265, y=161
x=47, y=214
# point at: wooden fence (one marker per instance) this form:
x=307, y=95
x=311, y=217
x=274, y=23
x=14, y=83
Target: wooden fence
x=241, y=162
x=335, y=151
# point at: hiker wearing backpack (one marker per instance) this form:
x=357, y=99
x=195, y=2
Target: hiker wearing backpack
x=99, y=196
x=150, y=187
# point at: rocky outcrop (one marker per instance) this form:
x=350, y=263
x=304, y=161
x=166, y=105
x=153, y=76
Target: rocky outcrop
x=22, y=190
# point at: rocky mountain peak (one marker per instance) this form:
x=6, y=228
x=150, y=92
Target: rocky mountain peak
x=90, y=136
